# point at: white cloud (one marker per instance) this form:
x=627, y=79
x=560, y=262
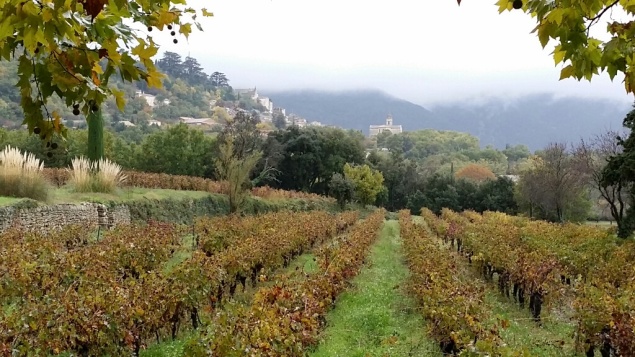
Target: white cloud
x=425, y=51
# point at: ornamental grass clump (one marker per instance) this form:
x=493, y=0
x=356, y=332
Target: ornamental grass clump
x=108, y=176
x=80, y=172
x=21, y=175
x=101, y=176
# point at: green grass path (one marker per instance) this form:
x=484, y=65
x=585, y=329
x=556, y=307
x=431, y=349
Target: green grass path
x=377, y=318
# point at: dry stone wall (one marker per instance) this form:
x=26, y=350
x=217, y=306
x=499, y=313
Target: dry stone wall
x=46, y=218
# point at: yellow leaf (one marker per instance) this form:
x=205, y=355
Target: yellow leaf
x=97, y=68
x=96, y=79
x=186, y=30
x=566, y=72
x=556, y=16
x=558, y=55
x=121, y=102
x=144, y=51
x=164, y=18
x=47, y=15
x=504, y=5
x=207, y=13
x=111, y=46
x=154, y=79
x=56, y=120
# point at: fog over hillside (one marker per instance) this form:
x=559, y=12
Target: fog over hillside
x=534, y=120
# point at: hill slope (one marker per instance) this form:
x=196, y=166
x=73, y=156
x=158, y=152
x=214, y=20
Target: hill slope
x=532, y=120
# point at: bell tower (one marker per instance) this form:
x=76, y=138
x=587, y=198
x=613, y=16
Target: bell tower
x=389, y=120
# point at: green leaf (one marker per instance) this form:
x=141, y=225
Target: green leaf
x=612, y=71
x=558, y=55
x=556, y=16
x=543, y=34
x=566, y=72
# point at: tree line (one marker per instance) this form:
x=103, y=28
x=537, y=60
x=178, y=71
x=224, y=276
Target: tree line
x=427, y=168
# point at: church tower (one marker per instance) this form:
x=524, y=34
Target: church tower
x=389, y=120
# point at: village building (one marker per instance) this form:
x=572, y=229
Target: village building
x=151, y=99
x=280, y=111
x=374, y=130
x=267, y=103
x=203, y=123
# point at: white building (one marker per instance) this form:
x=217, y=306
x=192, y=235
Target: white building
x=154, y=122
x=267, y=103
x=389, y=127
x=278, y=110
x=301, y=122
x=197, y=121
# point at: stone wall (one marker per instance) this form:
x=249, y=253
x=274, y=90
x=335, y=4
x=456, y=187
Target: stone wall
x=46, y=218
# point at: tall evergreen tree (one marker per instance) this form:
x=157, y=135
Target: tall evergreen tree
x=171, y=64
x=193, y=72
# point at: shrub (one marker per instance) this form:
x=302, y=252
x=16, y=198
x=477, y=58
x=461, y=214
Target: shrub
x=342, y=189
x=21, y=175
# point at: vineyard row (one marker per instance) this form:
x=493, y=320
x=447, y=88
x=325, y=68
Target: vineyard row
x=62, y=292
x=285, y=319
x=543, y=263
x=451, y=304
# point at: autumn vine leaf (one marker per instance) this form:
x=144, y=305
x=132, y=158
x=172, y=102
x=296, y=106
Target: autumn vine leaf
x=72, y=48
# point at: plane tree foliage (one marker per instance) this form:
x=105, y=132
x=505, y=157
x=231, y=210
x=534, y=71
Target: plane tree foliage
x=72, y=49
x=569, y=24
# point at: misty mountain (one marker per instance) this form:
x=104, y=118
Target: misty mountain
x=534, y=120
x=352, y=109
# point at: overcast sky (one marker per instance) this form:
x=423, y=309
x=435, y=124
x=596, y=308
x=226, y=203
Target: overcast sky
x=425, y=51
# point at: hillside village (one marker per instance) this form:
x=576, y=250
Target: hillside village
x=189, y=95
x=265, y=110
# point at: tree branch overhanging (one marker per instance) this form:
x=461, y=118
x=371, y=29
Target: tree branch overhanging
x=597, y=17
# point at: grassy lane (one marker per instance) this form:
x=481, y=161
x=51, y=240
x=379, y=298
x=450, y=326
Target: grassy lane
x=376, y=318
x=553, y=339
